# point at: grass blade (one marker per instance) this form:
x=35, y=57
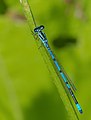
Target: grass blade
x=61, y=89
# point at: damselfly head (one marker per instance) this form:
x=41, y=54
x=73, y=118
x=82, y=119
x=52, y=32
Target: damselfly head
x=38, y=29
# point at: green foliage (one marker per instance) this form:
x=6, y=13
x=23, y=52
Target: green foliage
x=3, y=7
x=26, y=90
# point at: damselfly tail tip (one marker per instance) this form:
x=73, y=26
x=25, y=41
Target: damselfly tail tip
x=81, y=111
x=79, y=108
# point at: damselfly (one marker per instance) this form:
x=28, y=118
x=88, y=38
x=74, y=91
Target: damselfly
x=44, y=41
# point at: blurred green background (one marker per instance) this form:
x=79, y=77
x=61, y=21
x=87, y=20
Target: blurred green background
x=26, y=88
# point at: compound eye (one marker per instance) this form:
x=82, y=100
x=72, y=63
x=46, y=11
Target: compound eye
x=41, y=27
x=36, y=30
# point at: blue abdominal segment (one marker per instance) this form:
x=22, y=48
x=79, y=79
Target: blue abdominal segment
x=44, y=40
x=63, y=76
x=79, y=108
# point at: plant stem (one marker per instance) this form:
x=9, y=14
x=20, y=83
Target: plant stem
x=72, y=115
